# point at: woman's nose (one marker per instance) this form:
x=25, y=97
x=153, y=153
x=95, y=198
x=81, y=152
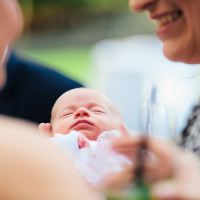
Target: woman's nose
x=141, y=5
x=81, y=112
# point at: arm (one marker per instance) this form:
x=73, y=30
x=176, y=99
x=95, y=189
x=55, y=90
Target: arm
x=31, y=168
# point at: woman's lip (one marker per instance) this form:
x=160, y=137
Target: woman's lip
x=166, y=22
x=169, y=30
x=160, y=15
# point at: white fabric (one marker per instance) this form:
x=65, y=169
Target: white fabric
x=95, y=161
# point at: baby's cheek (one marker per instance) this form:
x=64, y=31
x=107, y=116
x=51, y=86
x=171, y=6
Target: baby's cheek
x=62, y=128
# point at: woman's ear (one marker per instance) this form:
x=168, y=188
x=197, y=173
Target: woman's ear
x=45, y=128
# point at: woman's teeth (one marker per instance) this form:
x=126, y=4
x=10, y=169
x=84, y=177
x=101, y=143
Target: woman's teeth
x=169, y=18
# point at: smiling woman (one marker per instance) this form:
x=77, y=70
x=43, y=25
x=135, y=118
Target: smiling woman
x=174, y=174
x=177, y=26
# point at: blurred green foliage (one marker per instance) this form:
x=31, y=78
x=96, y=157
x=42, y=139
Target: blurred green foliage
x=109, y=4
x=78, y=3
x=42, y=15
x=71, y=3
x=74, y=62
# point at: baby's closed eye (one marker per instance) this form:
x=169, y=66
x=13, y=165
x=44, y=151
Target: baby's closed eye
x=97, y=110
x=66, y=114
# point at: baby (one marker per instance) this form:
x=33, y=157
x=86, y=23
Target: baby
x=82, y=123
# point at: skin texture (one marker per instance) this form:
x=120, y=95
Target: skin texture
x=11, y=26
x=31, y=168
x=181, y=40
x=11, y=22
x=85, y=110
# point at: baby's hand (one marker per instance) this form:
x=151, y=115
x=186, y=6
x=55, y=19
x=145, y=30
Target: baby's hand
x=82, y=142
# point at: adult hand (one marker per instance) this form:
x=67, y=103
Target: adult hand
x=174, y=174
x=128, y=145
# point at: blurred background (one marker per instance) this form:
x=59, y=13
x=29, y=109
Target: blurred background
x=104, y=45
x=62, y=33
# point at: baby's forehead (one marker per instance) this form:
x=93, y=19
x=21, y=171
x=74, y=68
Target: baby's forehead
x=82, y=99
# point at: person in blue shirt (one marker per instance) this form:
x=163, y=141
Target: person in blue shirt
x=31, y=89
x=28, y=90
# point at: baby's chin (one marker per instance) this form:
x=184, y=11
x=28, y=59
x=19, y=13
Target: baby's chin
x=89, y=134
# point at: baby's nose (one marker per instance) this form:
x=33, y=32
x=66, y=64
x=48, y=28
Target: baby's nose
x=82, y=112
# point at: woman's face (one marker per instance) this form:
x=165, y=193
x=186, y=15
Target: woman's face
x=10, y=22
x=178, y=26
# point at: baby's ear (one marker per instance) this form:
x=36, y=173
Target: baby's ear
x=45, y=128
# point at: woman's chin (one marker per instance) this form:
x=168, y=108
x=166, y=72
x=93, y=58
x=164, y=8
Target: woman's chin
x=178, y=54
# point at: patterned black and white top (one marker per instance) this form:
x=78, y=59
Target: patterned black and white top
x=191, y=134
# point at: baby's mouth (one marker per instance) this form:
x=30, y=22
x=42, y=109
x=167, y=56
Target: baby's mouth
x=81, y=124
x=168, y=18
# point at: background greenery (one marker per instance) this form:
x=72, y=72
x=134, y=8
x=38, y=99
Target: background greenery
x=74, y=62
x=77, y=3
x=62, y=33
x=65, y=13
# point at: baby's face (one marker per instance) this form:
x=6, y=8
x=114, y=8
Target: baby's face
x=84, y=110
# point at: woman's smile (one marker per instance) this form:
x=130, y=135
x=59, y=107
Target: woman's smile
x=168, y=23
x=177, y=24
x=167, y=18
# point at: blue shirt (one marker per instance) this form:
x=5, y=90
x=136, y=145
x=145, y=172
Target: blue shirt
x=32, y=89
